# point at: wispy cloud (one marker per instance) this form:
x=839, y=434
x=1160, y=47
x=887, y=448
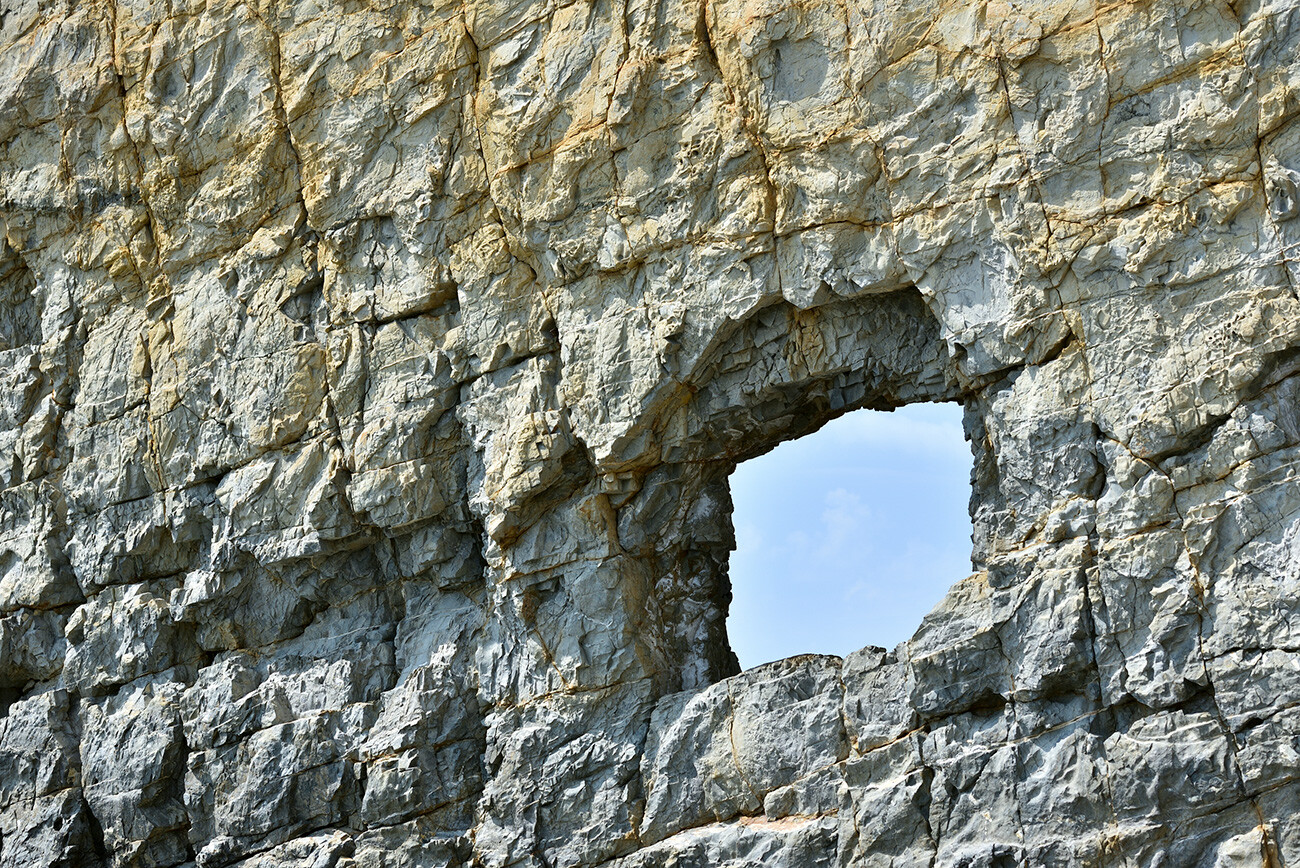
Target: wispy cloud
x=844, y=519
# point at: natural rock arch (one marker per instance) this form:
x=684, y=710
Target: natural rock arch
x=779, y=375
x=850, y=534
x=376, y=374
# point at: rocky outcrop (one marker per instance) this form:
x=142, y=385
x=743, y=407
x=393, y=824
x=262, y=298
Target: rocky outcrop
x=373, y=373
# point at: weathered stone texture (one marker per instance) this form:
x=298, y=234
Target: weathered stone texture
x=371, y=373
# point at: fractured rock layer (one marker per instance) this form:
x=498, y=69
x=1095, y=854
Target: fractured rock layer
x=373, y=373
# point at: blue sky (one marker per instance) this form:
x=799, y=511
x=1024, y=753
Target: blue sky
x=849, y=536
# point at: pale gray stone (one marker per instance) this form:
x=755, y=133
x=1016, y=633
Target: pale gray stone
x=371, y=376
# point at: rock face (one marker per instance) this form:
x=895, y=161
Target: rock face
x=372, y=374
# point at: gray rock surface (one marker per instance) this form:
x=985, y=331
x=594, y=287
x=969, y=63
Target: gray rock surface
x=371, y=374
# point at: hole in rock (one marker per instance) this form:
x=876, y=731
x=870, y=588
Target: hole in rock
x=847, y=537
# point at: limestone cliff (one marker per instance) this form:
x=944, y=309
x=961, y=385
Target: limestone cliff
x=373, y=370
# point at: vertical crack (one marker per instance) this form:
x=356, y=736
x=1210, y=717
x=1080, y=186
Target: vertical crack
x=747, y=121
x=151, y=220
x=281, y=113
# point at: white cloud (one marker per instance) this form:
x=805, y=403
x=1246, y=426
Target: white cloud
x=844, y=510
x=749, y=538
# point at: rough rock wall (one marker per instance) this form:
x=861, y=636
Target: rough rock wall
x=373, y=372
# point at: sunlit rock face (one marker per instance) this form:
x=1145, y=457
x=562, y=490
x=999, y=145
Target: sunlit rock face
x=372, y=373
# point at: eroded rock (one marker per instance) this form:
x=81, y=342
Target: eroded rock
x=370, y=376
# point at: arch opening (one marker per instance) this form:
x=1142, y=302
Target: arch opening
x=850, y=535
